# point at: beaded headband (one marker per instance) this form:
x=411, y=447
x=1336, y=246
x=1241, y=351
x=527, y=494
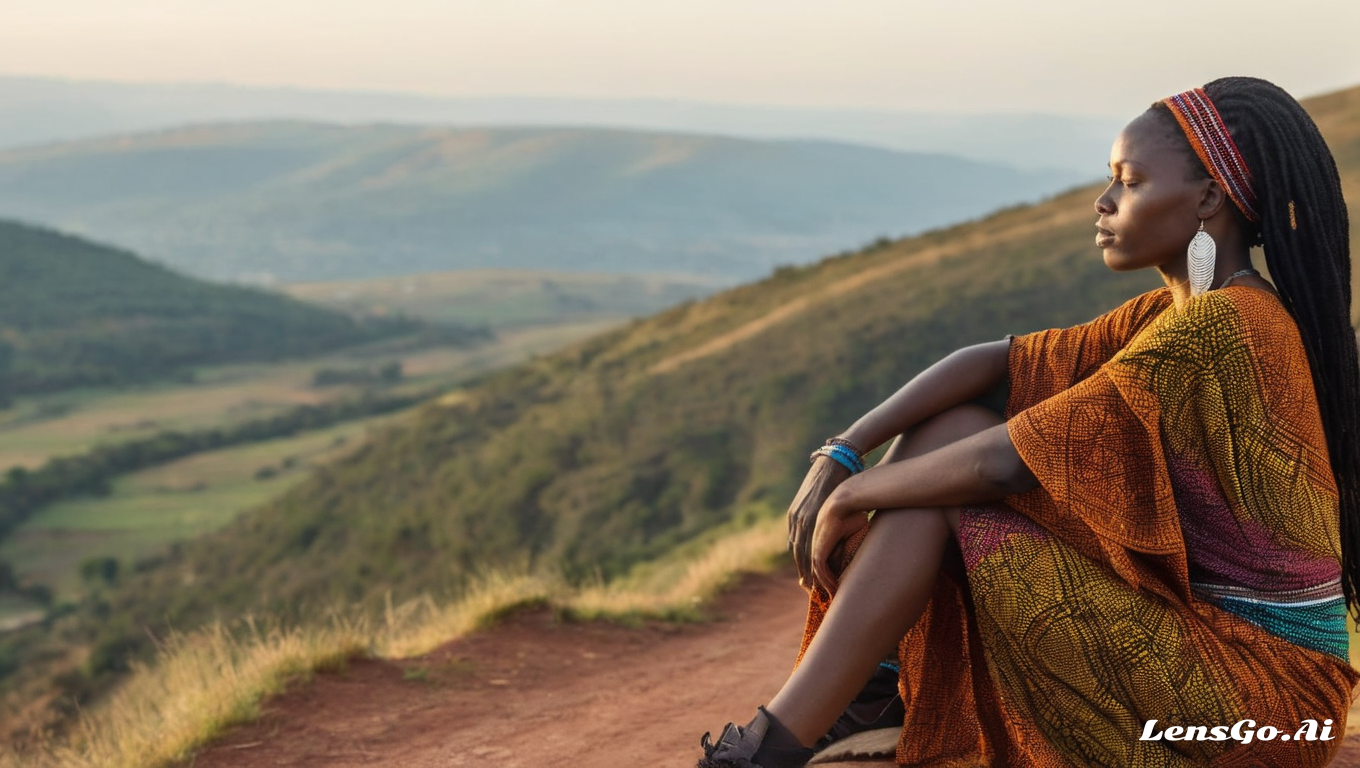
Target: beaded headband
x=1214, y=145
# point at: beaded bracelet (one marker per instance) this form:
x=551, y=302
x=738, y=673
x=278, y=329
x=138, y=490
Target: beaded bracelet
x=839, y=458
x=843, y=441
x=839, y=452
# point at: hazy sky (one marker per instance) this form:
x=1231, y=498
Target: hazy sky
x=962, y=55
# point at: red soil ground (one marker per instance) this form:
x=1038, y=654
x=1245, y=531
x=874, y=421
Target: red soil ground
x=536, y=693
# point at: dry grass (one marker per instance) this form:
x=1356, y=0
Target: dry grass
x=675, y=588
x=202, y=683
x=205, y=681
x=421, y=625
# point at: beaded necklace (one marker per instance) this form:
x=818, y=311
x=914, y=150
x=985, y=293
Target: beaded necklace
x=1237, y=274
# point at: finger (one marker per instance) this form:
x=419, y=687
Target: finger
x=818, y=557
x=801, y=560
x=805, y=551
x=823, y=570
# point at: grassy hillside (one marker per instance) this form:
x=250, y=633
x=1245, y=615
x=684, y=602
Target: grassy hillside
x=506, y=298
x=316, y=202
x=620, y=448
x=76, y=313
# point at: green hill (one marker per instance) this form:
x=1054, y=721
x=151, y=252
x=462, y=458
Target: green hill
x=303, y=201
x=75, y=313
x=617, y=449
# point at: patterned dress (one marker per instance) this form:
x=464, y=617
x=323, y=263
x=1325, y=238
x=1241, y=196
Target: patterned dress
x=1179, y=561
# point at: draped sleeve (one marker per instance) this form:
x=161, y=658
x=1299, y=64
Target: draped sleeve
x=1043, y=363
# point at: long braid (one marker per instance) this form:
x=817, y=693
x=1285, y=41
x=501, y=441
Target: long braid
x=1306, y=234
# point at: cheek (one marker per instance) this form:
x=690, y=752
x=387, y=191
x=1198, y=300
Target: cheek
x=1154, y=224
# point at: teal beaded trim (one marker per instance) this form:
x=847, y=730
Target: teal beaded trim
x=1319, y=624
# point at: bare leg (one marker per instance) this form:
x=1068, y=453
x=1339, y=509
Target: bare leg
x=883, y=593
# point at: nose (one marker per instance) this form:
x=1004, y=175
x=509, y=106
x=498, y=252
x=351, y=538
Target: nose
x=1104, y=205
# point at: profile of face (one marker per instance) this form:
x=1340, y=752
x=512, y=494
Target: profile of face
x=1155, y=200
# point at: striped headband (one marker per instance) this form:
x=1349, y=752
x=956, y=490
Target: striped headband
x=1214, y=145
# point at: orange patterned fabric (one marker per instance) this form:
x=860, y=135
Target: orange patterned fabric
x=1179, y=561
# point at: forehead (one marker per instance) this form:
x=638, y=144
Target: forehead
x=1148, y=140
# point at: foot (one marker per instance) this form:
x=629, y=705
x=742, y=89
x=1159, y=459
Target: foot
x=762, y=743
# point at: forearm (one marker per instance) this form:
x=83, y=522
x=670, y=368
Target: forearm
x=979, y=468
x=957, y=378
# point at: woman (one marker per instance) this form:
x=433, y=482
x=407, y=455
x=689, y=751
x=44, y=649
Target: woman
x=1150, y=560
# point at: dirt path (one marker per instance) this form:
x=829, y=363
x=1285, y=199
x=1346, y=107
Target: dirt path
x=534, y=693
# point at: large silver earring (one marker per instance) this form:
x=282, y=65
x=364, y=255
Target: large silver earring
x=1200, y=260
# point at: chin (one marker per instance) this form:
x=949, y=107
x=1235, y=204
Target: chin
x=1116, y=262
x=1120, y=262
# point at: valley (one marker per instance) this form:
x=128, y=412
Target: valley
x=588, y=460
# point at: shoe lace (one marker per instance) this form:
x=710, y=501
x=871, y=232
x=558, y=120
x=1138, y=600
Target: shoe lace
x=707, y=744
x=715, y=750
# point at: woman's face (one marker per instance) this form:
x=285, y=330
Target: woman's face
x=1150, y=210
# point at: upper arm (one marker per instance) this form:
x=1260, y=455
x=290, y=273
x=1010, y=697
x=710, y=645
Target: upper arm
x=994, y=399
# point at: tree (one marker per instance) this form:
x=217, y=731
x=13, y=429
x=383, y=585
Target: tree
x=99, y=570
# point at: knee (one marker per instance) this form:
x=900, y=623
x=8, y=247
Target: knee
x=942, y=429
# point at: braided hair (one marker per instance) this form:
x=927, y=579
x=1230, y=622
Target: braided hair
x=1305, y=231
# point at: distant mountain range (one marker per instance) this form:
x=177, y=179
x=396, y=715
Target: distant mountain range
x=43, y=110
x=303, y=201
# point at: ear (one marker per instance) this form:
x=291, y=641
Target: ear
x=1211, y=200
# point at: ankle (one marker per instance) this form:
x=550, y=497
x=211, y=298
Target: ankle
x=782, y=722
x=780, y=748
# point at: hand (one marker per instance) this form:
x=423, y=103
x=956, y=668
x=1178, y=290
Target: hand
x=823, y=478
x=836, y=522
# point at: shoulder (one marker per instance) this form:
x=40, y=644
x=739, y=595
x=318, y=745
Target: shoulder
x=1237, y=319
x=1237, y=307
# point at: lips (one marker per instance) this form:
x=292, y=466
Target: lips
x=1104, y=237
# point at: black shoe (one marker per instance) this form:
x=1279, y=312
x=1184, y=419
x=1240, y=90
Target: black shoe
x=762, y=743
x=879, y=705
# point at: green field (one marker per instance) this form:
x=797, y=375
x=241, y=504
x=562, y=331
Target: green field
x=40, y=427
x=175, y=501
x=191, y=496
